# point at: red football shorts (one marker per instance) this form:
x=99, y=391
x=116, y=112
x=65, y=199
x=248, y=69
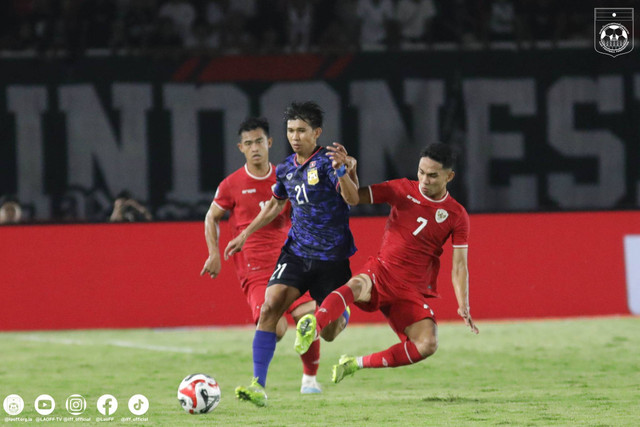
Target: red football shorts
x=402, y=305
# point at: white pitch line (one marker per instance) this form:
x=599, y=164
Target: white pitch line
x=125, y=344
x=161, y=348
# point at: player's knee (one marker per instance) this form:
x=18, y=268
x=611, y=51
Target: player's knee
x=360, y=287
x=267, y=311
x=270, y=313
x=427, y=346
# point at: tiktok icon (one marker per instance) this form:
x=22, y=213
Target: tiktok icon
x=138, y=404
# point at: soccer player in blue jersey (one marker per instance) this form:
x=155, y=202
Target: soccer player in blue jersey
x=321, y=183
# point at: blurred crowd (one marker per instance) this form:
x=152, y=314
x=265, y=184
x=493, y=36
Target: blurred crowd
x=221, y=27
x=124, y=208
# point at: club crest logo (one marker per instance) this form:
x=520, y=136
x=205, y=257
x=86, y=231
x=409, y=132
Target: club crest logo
x=613, y=30
x=312, y=176
x=441, y=215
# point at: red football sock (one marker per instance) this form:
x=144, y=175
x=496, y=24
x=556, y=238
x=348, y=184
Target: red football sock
x=311, y=359
x=403, y=353
x=333, y=306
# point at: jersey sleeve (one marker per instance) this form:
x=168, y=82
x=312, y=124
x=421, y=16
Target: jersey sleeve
x=384, y=192
x=224, y=196
x=460, y=235
x=279, y=190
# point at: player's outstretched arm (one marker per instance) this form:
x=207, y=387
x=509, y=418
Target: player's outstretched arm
x=211, y=233
x=270, y=211
x=340, y=161
x=460, y=280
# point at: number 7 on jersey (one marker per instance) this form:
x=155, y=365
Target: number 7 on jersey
x=423, y=224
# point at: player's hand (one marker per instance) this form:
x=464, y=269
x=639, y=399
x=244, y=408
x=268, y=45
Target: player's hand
x=211, y=266
x=234, y=246
x=464, y=313
x=337, y=154
x=351, y=163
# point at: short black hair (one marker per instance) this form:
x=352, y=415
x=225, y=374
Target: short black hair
x=441, y=153
x=252, y=123
x=9, y=198
x=124, y=194
x=308, y=111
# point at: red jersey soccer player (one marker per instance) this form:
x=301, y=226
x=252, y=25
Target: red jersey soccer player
x=243, y=193
x=403, y=275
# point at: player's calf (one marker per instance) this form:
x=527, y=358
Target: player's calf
x=334, y=305
x=401, y=354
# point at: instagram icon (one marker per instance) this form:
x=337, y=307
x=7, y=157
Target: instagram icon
x=76, y=404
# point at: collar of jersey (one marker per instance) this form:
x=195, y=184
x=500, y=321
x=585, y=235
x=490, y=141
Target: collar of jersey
x=246, y=169
x=434, y=200
x=295, y=162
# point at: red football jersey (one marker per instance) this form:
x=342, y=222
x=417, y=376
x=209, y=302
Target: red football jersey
x=243, y=195
x=415, y=232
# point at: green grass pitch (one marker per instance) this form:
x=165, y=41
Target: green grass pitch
x=539, y=373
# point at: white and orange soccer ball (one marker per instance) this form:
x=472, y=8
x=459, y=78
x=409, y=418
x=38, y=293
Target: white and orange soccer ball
x=199, y=394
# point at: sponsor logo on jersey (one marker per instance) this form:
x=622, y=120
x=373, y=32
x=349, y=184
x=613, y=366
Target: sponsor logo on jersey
x=441, y=215
x=249, y=191
x=289, y=175
x=413, y=199
x=312, y=176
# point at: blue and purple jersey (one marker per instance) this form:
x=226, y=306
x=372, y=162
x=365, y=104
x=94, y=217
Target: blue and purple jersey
x=319, y=214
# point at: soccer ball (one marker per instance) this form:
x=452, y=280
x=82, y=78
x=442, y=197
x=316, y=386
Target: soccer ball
x=199, y=394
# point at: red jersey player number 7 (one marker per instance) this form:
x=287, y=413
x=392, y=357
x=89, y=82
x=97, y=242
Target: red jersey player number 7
x=401, y=278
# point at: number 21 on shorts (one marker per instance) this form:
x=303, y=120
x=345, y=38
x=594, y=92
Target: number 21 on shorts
x=278, y=271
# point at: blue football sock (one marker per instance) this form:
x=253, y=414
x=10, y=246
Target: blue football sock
x=264, y=345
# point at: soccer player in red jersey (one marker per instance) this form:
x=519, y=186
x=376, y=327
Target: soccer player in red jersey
x=243, y=194
x=402, y=277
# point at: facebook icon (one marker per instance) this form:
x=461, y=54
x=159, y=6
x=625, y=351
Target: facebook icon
x=107, y=405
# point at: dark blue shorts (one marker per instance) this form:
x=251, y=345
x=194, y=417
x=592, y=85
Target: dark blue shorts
x=318, y=277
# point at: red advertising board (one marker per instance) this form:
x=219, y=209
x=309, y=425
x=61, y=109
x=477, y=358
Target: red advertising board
x=147, y=274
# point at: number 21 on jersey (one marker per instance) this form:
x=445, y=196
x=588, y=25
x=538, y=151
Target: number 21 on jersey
x=301, y=195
